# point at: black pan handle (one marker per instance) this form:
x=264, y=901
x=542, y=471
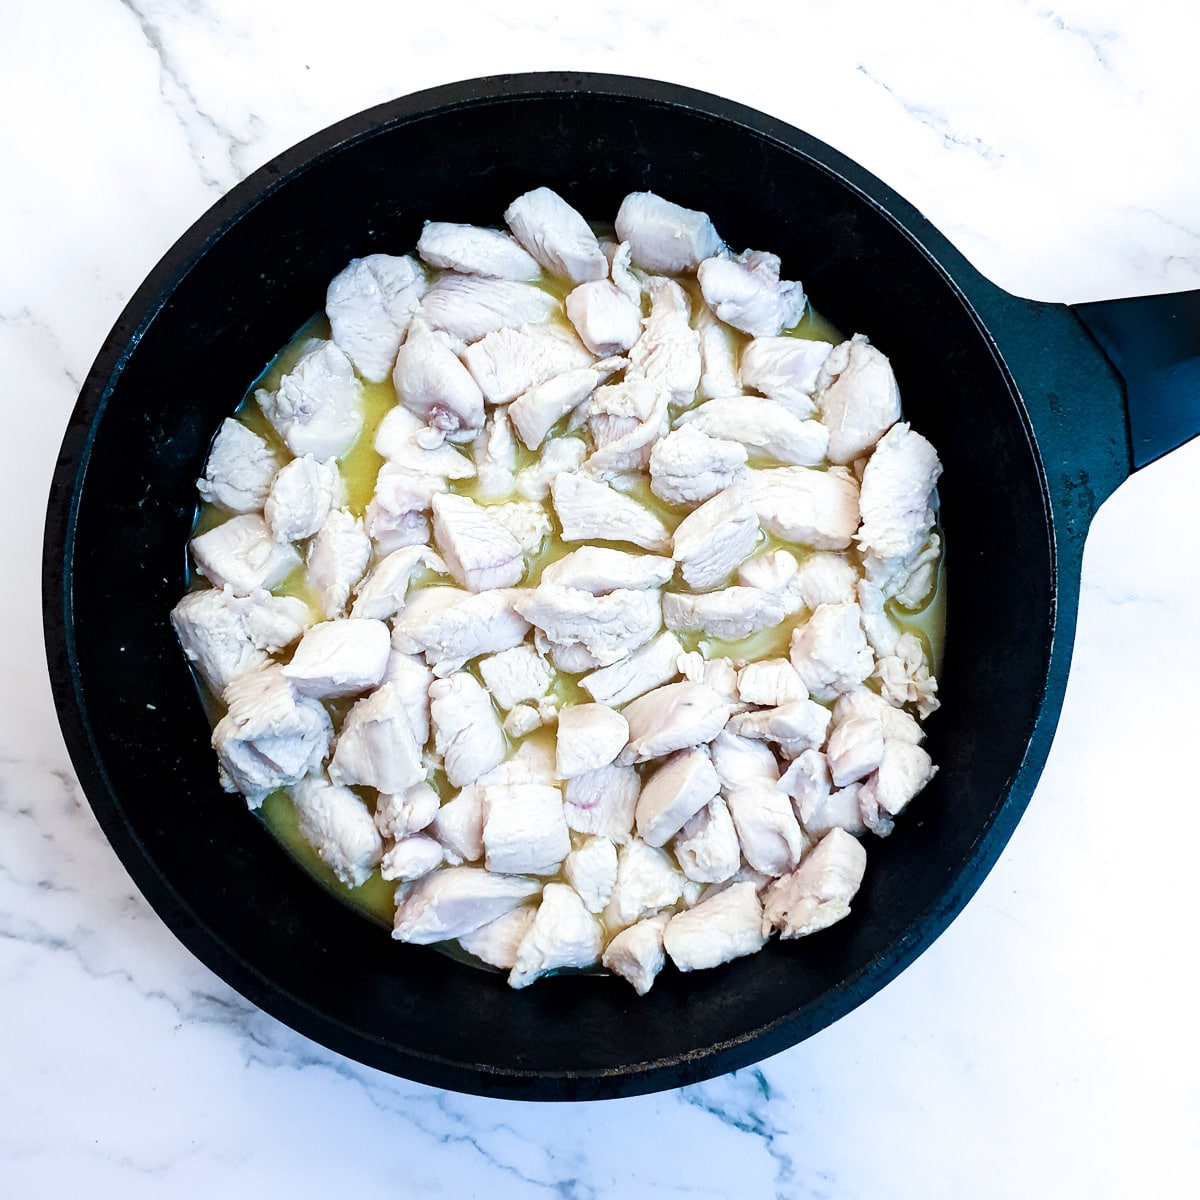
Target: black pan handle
x=1154, y=344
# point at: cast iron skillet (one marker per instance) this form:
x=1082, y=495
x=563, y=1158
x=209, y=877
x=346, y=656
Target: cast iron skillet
x=1027, y=412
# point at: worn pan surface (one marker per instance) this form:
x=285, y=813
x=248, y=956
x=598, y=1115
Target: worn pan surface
x=1029, y=415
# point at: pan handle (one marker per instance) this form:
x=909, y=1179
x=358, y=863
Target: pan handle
x=1154, y=344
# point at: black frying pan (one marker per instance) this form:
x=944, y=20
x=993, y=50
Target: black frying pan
x=1032, y=421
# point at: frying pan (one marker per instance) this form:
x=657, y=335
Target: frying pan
x=1038, y=411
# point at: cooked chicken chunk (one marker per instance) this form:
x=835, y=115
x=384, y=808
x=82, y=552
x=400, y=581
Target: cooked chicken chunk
x=663, y=236
x=590, y=736
x=563, y=934
x=647, y=881
x=401, y=814
x=382, y=591
x=738, y=759
x=524, y=828
x=317, y=408
x=456, y=901
x=607, y=321
x=608, y=627
x=540, y=407
x=905, y=678
x=479, y=552
x=591, y=869
x=830, y=651
x=474, y=250
x=649, y=667
x=558, y=455
x=241, y=555
x=601, y=569
x=467, y=307
x=762, y=425
x=397, y=514
x=864, y=703
x=431, y=382
x=556, y=235
x=904, y=769
x=458, y=826
x=514, y=675
x=301, y=496
x=859, y=398
x=784, y=369
x=897, y=494
x=855, y=750
x=411, y=677
x=819, y=891
x=725, y=925
x=674, y=793
x=592, y=511
x=770, y=836
x=337, y=560
x=466, y=731
x=720, y=347
x=728, y=614
x=496, y=942
x=240, y=467
x=770, y=681
x=826, y=577
x=667, y=352
x=340, y=658
x=602, y=802
x=400, y=439
x=747, y=293
x=338, y=825
x=508, y=362
x=794, y=727
x=689, y=467
x=411, y=857
x=671, y=718
x=707, y=847
x=625, y=420
x=636, y=953
x=369, y=306
x=377, y=746
x=450, y=627
x=711, y=541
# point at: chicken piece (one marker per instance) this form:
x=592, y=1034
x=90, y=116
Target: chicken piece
x=396, y=515
x=340, y=658
x=590, y=736
x=527, y=521
x=784, y=369
x=684, y=784
x=707, y=847
x=337, y=560
x=840, y=809
x=689, y=467
x=649, y=667
x=718, y=673
x=762, y=425
x=369, y=305
x=774, y=571
x=558, y=455
x=556, y=235
x=468, y=307
x=401, y=814
x=711, y=541
x=855, y=750
x=524, y=829
x=563, y=934
x=517, y=674
x=225, y=635
x=737, y=759
x=466, y=731
x=458, y=826
x=608, y=627
x=475, y=250
x=301, y=496
x=725, y=925
x=674, y=717
x=508, y=362
x=411, y=857
x=620, y=270
x=496, y=942
x=411, y=679
x=904, y=676
x=729, y=614
x=602, y=802
x=452, y=627
x=479, y=552
x=608, y=322
x=770, y=681
x=456, y=901
x=591, y=869
x=431, y=382
x=830, y=651
x=904, y=770
x=521, y=720
x=338, y=826
x=794, y=727
x=826, y=577
x=864, y=703
x=399, y=439
x=667, y=352
x=745, y=291
x=239, y=470
x=495, y=453
x=663, y=236
x=415, y=626
x=377, y=746
x=540, y=407
x=240, y=554
x=601, y=569
x=818, y=893
x=625, y=419
x=720, y=347
x=897, y=494
x=636, y=953
x=858, y=397
x=318, y=407
x=270, y=737
x=807, y=778
x=768, y=832
x=589, y=510
x=647, y=881
x=381, y=593
x=808, y=507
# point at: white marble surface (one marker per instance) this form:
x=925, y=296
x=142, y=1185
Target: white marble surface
x=1047, y=1044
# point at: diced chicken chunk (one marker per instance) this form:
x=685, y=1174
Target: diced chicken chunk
x=558, y=456
x=667, y=352
x=563, y=934
x=317, y=408
x=456, y=901
x=479, y=552
x=728, y=614
x=241, y=555
x=784, y=369
x=819, y=891
x=723, y=926
x=738, y=759
x=401, y=814
x=399, y=439
x=474, y=250
x=904, y=769
x=381, y=593
x=603, y=801
x=337, y=559
x=369, y=305
x=340, y=658
x=897, y=494
x=607, y=321
x=524, y=828
x=762, y=425
x=540, y=407
x=671, y=718
x=592, y=511
x=747, y=293
x=468, y=307
x=636, y=953
x=301, y=497
x=647, y=881
x=591, y=869
x=689, y=467
x=466, y=731
x=663, y=236
x=625, y=419
x=719, y=349
x=794, y=727
x=237, y=476
x=809, y=507
x=517, y=674
x=905, y=678
x=649, y=667
x=556, y=235
x=601, y=569
x=830, y=651
x=825, y=577
x=411, y=858
x=590, y=736
x=674, y=793
x=496, y=942
x=396, y=516
x=411, y=679
x=770, y=681
x=510, y=361
x=450, y=626
x=711, y=541
x=609, y=627
x=855, y=750
x=377, y=746
x=458, y=826
x=431, y=382
x=707, y=847
x=338, y=825
x=859, y=398
x=770, y=836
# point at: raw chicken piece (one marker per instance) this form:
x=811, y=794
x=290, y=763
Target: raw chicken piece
x=524, y=829
x=399, y=439
x=539, y=408
x=431, y=382
x=317, y=408
x=675, y=793
x=239, y=470
x=809, y=507
x=673, y=717
x=369, y=305
x=609, y=627
x=456, y=901
x=719, y=349
x=495, y=451
x=467, y=308
x=269, y=737
x=474, y=250
x=451, y=627
x=591, y=869
x=830, y=651
x=636, y=953
x=590, y=736
x=559, y=455
x=855, y=750
x=607, y=321
x=396, y=516
x=340, y=658
x=508, y=362
x=897, y=494
x=728, y=614
x=794, y=727
x=240, y=554
x=715, y=538
x=647, y=881
x=458, y=826
x=556, y=235
x=819, y=891
x=766, y=426
x=592, y=511
x=663, y=236
x=784, y=369
x=411, y=858
x=401, y=814
x=225, y=635
x=747, y=293
x=770, y=681
x=689, y=467
x=649, y=667
x=338, y=825
x=337, y=559
x=904, y=676
x=725, y=925
x=667, y=352
x=738, y=759
x=382, y=591
x=411, y=679
x=602, y=802
x=563, y=934
x=466, y=731
x=858, y=397
x=377, y=746
x=825, y=577
x=301, y=497
x=904, y=770
x=479, y=552
x=601, y=569
x=520, y=673
x=496, y=942
x=770, y=836
x=707, y=847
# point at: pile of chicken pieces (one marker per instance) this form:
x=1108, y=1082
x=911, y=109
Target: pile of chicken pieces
x=631, y=397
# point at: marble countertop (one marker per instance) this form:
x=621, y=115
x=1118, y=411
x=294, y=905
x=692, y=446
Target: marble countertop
x=1047, y=1044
